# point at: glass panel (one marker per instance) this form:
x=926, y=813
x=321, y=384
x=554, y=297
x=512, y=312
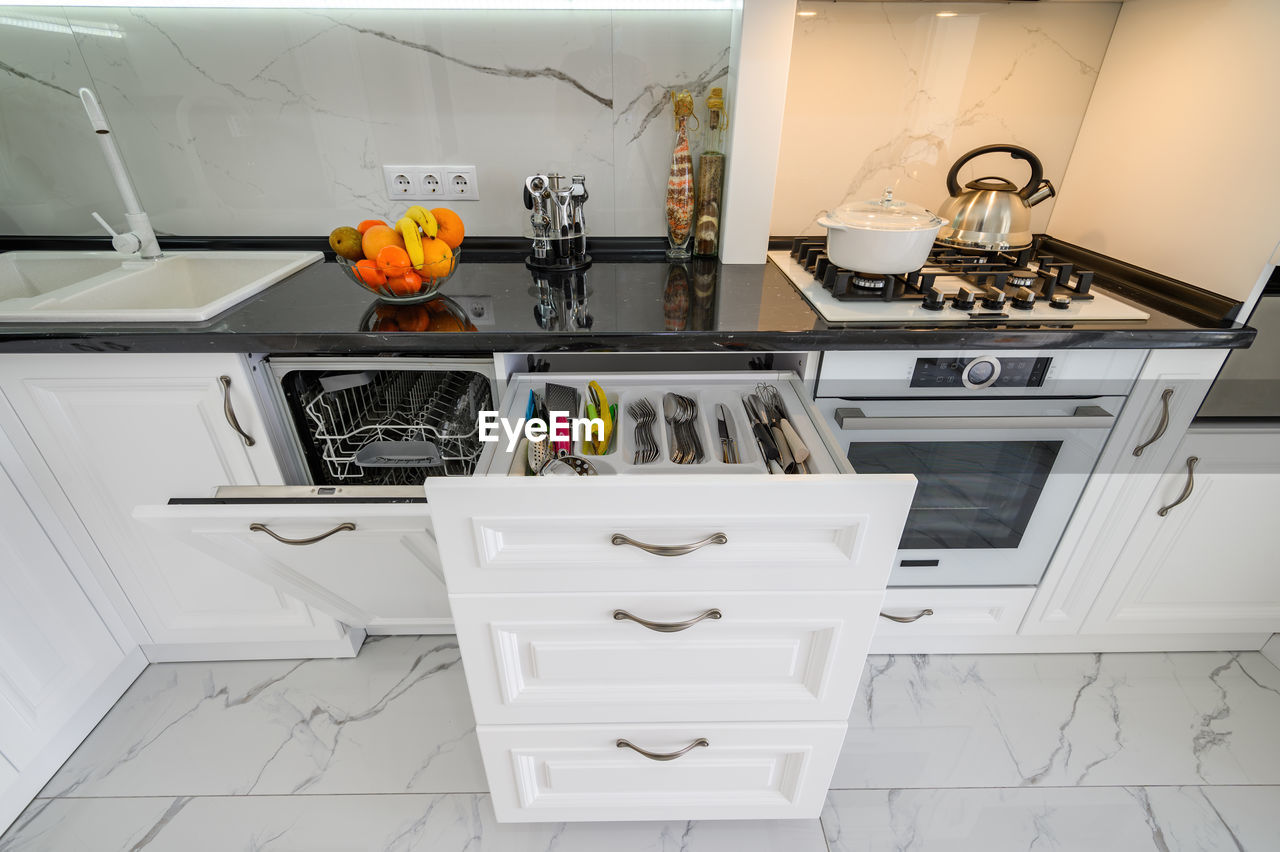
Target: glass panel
x=971, y=494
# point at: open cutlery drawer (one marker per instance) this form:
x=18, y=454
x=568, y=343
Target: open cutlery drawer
x=686, y=434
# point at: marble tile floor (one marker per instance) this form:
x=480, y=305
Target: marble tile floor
x=1021, y=752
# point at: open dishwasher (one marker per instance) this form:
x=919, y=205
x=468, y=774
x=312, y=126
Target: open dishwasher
x=352, y=530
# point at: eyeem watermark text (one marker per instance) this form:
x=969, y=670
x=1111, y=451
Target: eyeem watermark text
x=561, y=427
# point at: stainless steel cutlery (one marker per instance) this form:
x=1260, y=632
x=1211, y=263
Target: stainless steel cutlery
x=681, y=413
x=644, y=415
x=728, y=447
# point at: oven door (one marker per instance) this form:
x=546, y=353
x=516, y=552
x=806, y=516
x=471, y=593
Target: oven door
x=998, y=478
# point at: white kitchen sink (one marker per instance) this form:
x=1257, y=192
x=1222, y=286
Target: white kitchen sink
x=101, y=287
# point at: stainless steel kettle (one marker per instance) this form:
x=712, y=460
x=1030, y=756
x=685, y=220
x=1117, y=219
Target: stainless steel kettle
x=991, y=213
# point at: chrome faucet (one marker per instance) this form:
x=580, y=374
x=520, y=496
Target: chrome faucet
x=140, y=239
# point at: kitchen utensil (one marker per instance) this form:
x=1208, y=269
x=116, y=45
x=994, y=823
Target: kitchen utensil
x=728, y=448
x=644, y=415
x=434, y=277
x=882, y=237
x=559, y=225
x=991, y=213
x=681, y=412
x=520, y=459
x=539, y=454
x=399, y=454
x=764, y=437
x=568, y=466
x=773, y=399
x=564, y=400
x=602, y=411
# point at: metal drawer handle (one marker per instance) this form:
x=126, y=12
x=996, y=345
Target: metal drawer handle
x=1186, y=489
x=1161, y=426
x=230, y=413
x=301, y=541
x=701, y=742
x=670, y=549
x=664, y=626
x=907, y=619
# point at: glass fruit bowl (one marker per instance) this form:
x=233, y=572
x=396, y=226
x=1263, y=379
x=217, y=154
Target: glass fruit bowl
x=398, y=291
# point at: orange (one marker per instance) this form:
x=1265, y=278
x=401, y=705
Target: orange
x=437, y=259
x=449, y=226
x=397, y=286
x=369, y=223
x=379, y=237
x=394, y=261
x=413, y=278
x=413, y=318
x=368, y=272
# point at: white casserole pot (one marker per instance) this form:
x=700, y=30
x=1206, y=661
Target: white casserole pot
x=883, y=237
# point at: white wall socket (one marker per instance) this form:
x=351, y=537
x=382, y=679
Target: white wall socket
x=431, y=183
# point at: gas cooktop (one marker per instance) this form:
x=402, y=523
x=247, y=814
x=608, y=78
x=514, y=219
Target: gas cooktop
x=953, y=287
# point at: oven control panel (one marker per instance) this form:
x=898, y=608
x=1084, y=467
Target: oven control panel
x=987, y=371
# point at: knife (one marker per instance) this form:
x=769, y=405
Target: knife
x=728, y=449
x=764, y=438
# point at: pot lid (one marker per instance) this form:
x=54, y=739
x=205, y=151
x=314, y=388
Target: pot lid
x=883, y=214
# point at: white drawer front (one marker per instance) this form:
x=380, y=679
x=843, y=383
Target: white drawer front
x=378, y=567
x=569, y=658
x=578, y=772
x=500, y=534
x=952, y=612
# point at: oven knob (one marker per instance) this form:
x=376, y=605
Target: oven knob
x=964, y=299
x=1060, y=301
x=994, y=300
x=1024, y=299
x=934, y=301
x=981, y=372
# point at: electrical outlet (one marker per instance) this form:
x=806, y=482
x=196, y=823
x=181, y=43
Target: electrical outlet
x=431, y=183
x=460, y=183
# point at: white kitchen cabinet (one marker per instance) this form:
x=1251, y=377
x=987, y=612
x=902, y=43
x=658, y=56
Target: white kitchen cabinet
x=919, y=620
x=1202, y=558
x=715, y=617
x=1163, y=402
x=123, y=430
x=60, y=666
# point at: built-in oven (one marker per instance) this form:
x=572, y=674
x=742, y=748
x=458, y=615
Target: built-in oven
x=1000, y=465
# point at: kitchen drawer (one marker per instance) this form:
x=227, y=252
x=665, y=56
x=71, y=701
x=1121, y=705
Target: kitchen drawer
x=369, y=565
x=950, y=612
x=752, y=656
x=543, y=534
x=557, y=773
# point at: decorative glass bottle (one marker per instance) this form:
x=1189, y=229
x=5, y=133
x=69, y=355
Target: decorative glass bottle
x=706, y=235
x=680, y=183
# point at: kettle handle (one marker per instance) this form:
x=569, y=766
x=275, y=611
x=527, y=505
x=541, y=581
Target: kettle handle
x=1037, y=170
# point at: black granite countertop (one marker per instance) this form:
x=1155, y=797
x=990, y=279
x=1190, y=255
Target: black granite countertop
x=628, y=306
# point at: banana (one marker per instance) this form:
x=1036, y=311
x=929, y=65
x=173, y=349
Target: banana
x=408, y=229
x=425, y=220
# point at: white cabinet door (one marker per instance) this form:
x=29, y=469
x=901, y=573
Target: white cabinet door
x=54, y=648
x=1209, y=563
x=1162, y=403
x=122, y=431
x=373, y=566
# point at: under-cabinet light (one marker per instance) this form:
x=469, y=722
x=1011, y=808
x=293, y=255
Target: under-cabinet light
x=945, y=14
x=62, y=25
x=805, y=14
x=458, y=5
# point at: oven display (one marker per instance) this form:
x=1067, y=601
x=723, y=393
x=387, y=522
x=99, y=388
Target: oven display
x=949, y=372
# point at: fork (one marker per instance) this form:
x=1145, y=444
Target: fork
x=644, y=414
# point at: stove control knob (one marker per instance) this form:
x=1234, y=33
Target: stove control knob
x=1060, y=301
x=1024, y=298
x=964, y=300
x=981, y=372
x=934, y=301
x=994, y=300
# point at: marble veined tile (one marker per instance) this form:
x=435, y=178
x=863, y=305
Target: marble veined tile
x=1099, y=819
x=394, y=823
x=890, y=94
x=1063, y=720
x=395, y=719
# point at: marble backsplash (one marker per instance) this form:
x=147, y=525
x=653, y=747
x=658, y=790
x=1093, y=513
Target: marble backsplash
x=278, y=122
x=891, y=94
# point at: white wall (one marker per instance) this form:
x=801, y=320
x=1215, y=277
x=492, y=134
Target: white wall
x=277, y=122
x=1177, y=167
x=891, y=94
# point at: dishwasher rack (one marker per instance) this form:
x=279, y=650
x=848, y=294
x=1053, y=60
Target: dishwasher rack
x=395, y=427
